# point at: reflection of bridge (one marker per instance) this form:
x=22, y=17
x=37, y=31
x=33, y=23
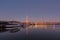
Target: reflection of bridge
x=24, y=24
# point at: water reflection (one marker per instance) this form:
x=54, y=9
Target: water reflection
x=16, y=29
x=30, y=32
x=10, y=29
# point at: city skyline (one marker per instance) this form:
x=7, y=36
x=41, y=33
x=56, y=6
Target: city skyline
x=42, y=19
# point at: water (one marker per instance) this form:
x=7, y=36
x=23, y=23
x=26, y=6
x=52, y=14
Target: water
x=33, y=32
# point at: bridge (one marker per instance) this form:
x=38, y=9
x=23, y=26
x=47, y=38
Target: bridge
x=27, y=22
x=38, y=23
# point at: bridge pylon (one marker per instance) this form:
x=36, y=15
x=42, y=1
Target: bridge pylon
x=27, y=20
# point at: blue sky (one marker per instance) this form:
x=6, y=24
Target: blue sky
x=35, y=9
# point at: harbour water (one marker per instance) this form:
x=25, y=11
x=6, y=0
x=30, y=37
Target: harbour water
x=33, y=32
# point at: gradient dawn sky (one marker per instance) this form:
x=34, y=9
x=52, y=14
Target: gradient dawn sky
x=35, y=9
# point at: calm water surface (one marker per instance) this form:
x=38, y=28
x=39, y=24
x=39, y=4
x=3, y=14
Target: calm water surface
x=36, y=32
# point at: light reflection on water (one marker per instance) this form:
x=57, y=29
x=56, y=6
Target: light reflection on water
x=33, y=32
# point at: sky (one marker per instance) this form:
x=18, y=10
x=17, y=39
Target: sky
x=36, y=10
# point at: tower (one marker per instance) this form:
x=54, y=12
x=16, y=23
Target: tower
x=26, y=20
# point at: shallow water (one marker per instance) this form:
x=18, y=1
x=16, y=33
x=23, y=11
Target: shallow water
x=37, y=32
